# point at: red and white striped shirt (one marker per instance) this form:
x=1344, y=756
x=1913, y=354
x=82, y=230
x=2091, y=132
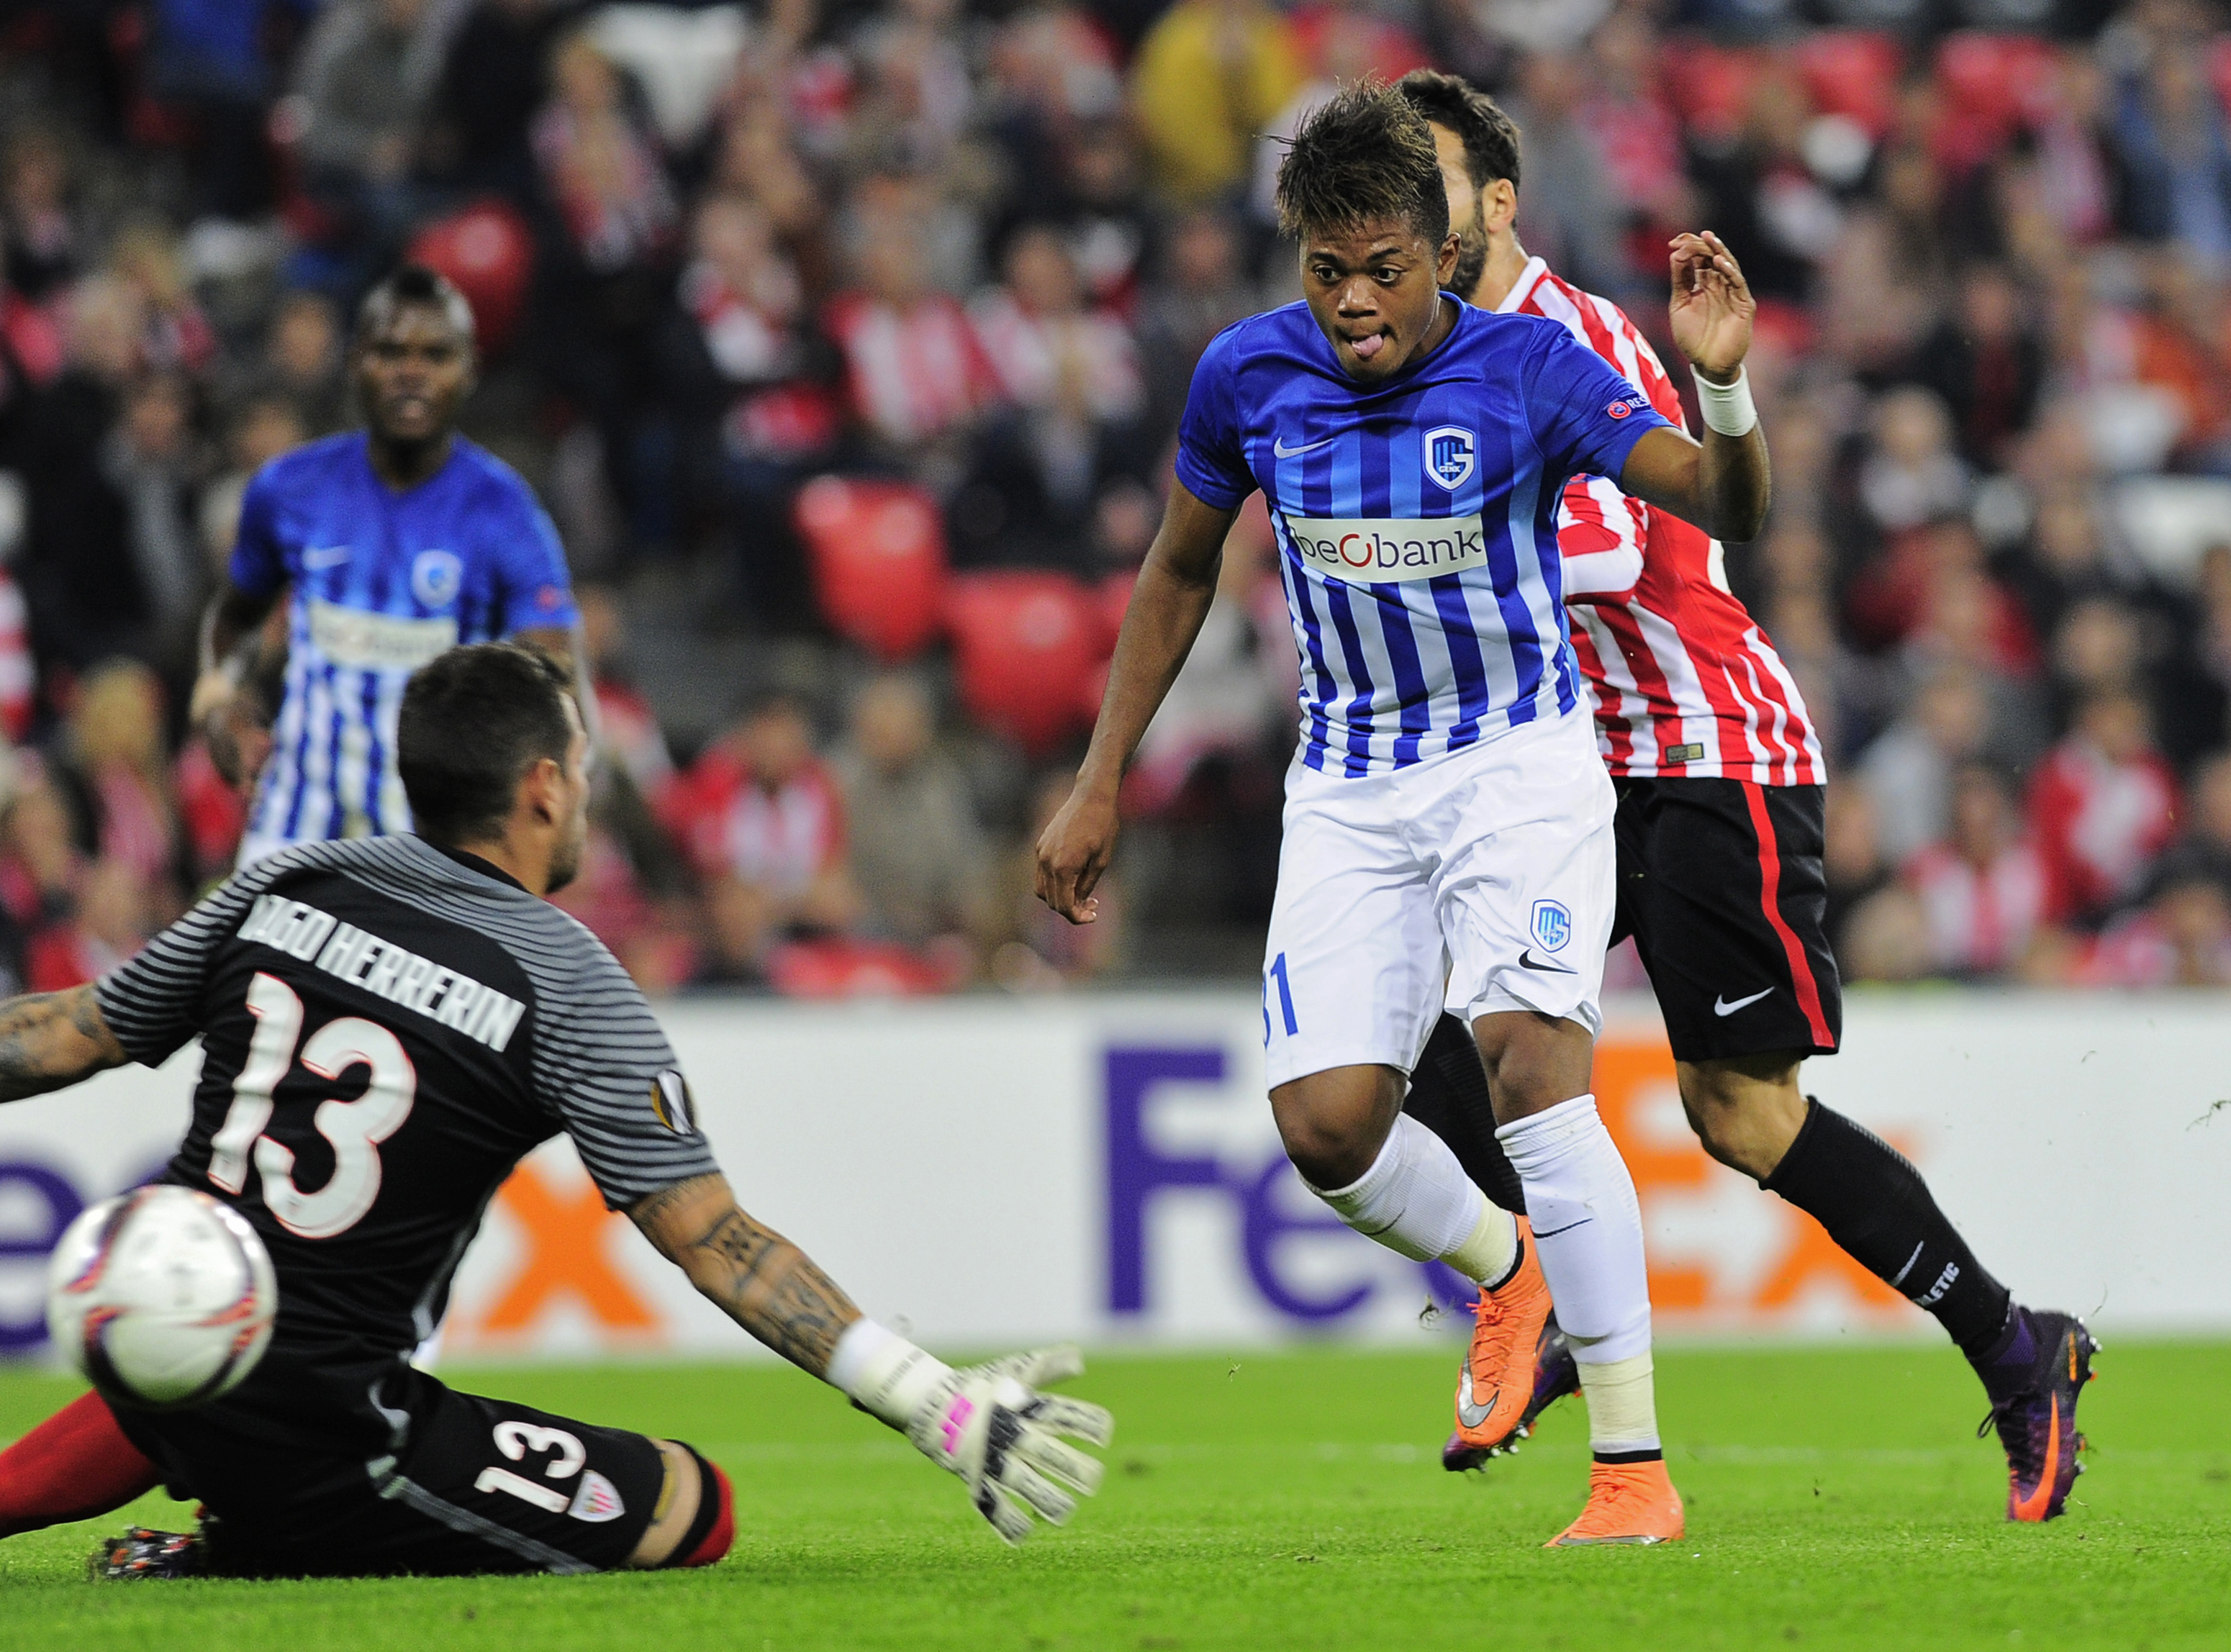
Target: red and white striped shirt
x=1685, y=681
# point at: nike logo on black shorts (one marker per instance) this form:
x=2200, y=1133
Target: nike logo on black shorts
x=1722, y=1007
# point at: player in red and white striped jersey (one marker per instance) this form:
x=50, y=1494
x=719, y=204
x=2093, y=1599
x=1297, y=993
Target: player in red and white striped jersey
x=1720, y=826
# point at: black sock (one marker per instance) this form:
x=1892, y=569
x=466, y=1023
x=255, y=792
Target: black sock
x=1874, y=1203
x=1448, y=1095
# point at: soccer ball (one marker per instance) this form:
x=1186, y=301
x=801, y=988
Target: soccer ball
x=161, y=1297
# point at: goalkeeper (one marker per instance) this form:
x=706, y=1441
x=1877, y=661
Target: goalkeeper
x=387, y=1025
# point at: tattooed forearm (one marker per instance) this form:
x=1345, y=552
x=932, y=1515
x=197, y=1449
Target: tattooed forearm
x=51, y=1039
x=761, y=1279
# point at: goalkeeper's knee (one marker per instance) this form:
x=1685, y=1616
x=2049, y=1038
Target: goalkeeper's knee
x=714, y=1531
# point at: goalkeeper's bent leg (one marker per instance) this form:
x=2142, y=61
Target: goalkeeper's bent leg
x=71, y=1467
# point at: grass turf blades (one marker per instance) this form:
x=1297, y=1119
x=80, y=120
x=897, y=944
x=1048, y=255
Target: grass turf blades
x=1269, y=1501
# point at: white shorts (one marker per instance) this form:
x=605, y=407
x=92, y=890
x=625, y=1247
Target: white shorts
x=1480, y=880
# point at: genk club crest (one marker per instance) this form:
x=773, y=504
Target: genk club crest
x=1451, y=452
x=1553, y=925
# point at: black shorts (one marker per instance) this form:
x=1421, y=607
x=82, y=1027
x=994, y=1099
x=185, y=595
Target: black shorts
x=477, y=1486
x=1720, y=884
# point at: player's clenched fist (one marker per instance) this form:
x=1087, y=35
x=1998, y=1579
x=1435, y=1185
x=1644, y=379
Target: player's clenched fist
x=1073, y=851
x=990, y=1425
x=1712, y=306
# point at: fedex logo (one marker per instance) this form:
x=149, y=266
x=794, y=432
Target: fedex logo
x=1378, y=551
x=1275, y=1215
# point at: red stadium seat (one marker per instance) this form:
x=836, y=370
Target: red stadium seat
x=1025, y=647
x=1853, y=72
x=1990, y=84
x=1710, y=85
x=877, y=553
x=487, y=249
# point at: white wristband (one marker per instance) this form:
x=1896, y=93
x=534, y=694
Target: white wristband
x=882, y=1373
x=1728, y=407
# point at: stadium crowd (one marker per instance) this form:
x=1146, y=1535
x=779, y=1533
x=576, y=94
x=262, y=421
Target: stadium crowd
x=846, y=339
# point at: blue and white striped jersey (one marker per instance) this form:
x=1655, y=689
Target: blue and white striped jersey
x=383, y=582
x=1417, y=518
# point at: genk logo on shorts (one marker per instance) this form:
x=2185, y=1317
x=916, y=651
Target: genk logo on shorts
x=1450, y=454
x=435, y=576
x=1553, y=925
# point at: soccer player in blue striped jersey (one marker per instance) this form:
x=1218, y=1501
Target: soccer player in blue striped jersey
x=389, y=545
x=1448, y=824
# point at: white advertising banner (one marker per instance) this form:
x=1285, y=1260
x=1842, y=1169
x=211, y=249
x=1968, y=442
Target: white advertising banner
x=991, y=1172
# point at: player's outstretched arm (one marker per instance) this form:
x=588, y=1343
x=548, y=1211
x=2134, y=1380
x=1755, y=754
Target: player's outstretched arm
x=989, y=1423
x=1724, y=484
x=51, y=1040
x=243, y=654
x=1176, y=585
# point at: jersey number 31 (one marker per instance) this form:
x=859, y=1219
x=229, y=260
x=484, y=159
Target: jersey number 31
x=355, y=1128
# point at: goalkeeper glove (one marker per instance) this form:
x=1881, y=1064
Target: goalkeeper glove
x=987, y=1423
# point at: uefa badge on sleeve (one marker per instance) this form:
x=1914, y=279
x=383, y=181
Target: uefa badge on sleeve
x=670, y=1103
x=1553, y=925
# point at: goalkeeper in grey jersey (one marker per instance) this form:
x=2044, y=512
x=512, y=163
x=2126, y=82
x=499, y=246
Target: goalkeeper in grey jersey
x=484, y=1022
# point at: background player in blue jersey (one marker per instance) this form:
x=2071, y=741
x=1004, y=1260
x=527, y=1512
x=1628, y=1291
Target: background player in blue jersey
x=1448, y=824
x=390, y=544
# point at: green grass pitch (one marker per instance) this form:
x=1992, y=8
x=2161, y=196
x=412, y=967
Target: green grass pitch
x=1836, y=1499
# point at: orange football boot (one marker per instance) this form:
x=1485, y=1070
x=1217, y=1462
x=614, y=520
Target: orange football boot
x=1628, y=1502
x=1497, y=1382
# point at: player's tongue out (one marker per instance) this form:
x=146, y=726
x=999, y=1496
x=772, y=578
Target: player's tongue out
x=1368, y=345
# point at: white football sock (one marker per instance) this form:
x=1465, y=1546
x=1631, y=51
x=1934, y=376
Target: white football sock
x=1416, y=1200
x=1587, y=1227
x=1622, y=1406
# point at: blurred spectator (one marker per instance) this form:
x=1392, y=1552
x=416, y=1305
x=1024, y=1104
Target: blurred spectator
x=106, y=923
x=1208, y=77
x=2169, y=134
x=1073, y=378
x=1568, y=213
x=627, y=730
x=2103, y=805
x=1762, y=196
x=919, y=379
x=606, y=267
x=1886, y=938
x=2203, y=848
x=1983, y=889
x=261, y=429
x=365, y=76
x=2196, y=697
x=109, y=565
x=2181, y=938
x=1200, y=289
x=210, y=62
x=749, y=381
x=1911, y=474
x=1852, y=858
x=112, y=773
x=1988, y=363
x=917, y=852
x=763, y=820
x=1907, y=773
x=302, y=361
x=39, y=229
x=495, y=77
x=176, y=336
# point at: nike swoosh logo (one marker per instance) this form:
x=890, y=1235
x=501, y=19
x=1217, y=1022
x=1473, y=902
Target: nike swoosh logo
x=325, y=556
x=2033, y=1507
x=1470, y=1415
x=1527, y=961
x=1722, y=1007
x=1280, y=448
x=1551, y=1233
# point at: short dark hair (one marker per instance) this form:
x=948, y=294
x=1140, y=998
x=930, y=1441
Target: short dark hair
x=414, y=286
x=1489, y=136
x=1362, y=156
x=474, y=720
